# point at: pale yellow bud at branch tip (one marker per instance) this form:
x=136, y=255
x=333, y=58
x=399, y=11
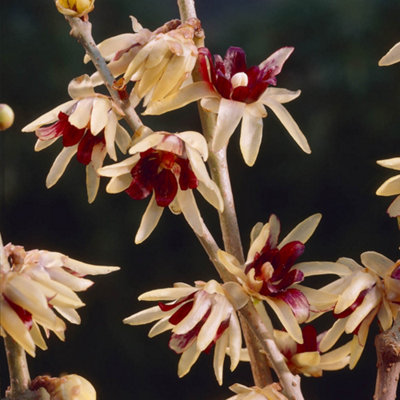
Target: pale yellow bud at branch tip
x=6, y=117
x=74, y=8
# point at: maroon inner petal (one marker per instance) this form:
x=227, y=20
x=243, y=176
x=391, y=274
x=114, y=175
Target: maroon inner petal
x=167, y=307
x=234, y=61
x=298, y=302
x=187, y=178
x=181, y=313
x=310, y=340
x=165, y=187
x=24, y=315
x=396, y=273
x=288, y=254
x=86, y=145
x=221, y=329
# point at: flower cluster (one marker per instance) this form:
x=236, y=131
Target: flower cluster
x=89, y=128
x=200, y=317
x=269, y=392
x=168, y=167
x=35, y=284
x=391, y=187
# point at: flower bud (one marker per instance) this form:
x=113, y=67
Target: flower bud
x=74, y=8
x=68, y=387
x=6, y=116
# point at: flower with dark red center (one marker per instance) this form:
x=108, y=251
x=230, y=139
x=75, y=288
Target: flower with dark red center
x=363, y=294
x=200, y=318
x=35, y=284
x=307, y=358
x=88, y=126
x=236, y=92
x=270, y=273
x=167, y=167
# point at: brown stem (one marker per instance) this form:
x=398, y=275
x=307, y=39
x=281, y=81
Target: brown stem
x=187, y=9
x=17, y=367
x=82, y=32
x=388, y=354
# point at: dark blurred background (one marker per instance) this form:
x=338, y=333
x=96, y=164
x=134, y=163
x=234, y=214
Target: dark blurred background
x=349, y=111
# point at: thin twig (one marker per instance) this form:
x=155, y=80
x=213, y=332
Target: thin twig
x=187, y=9
x=388, y=354
x=82, y=32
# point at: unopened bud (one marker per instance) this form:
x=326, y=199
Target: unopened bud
x=6, y=116
x=68, y=387
x=74, y=8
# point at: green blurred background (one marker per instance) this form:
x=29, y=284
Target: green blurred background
x=349, y=111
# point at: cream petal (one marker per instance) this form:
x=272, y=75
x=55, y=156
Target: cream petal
x=145, y=316
x=197, y=164
x=277, y=59
x=149, y=220
x=256, y=109
x=356, y=351
x=42, y=144
x=81, y=87
x=122, y=138
x=207, y=333
x=235, y=341
x=303, y=231
x=231, y=264
x=286, y=317
x=230, y=113
x=393, y=163
x=69, y=314
x=161, y=326
x=201, y=305
x=371, y=300
x=250, y=137
x=333, y=335
x=289, y=123
x=167, y=294
x=112, y=45
x=235, y=294
x=99, y=115
x=391, y=57
x=307, y=359
x=390, y=187
x=14, y=327
x=119, y=183
x=210, y=104
x=146, y=143
x=123, y=167
x=181, y=98
x=92, y=177
x=212, y=194
x=150, y=78
x=110, y=133
x=188, y=358
x=349, y=262
x=385, y=315
x=188, y=206
x=60, y=164
x=377, y=262
x=280, y=95
x=219, y=356
x=262, y=312
x=195, y=140
x=318, y=299
x=359, y=282
x=74, y=282
x=394, y=208
x=258, y=243
x=313, y=268
x=138, y=60
x=87, y=269
x=37, y=336
x=80, y=117
x=275, y=229
x=49, y=117
x=335, y=356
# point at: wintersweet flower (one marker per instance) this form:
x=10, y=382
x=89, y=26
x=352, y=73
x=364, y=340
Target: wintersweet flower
x=306, y=358
x=236, y=92
x=34, y=286
x=75, y=8
x=161, y=66
x=199, y=317
x=391, y=57
x=168, y=167
x=366, y=293
x=67, y=387
x=89, y=128
x=270, y=273
x=391, y=187
x=269, y=392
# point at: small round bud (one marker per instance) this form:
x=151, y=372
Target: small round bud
x=75, y=8
x=6, y=116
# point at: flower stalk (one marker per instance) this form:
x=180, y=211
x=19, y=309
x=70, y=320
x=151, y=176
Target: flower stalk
x=388, y=354
x=82, y=32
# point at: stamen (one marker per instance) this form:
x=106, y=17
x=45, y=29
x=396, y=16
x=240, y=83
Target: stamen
x=239, y=79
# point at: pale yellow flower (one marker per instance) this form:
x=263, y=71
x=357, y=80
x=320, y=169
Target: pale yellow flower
x=34, y=286
x=391, y=187
x=89, y=128
x=75, y=8
x=391, y=57
x=237, y=93
x=67, y=387
x=199, y=317
x=166, y=167
x=269, y=392
x=363, y=294
x=6, y=116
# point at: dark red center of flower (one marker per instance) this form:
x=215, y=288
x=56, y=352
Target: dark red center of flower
x=71, y=136
x=396, y=272
x=282, y=260
x=160, y=171
x=24, y=315
x=220, y=73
